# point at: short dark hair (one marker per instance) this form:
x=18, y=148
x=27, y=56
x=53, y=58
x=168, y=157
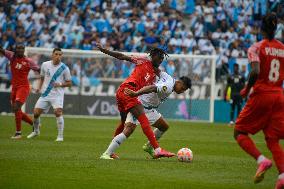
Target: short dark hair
x=186, y=80
x=158, y=51
x=269, y=25
x=56, y=49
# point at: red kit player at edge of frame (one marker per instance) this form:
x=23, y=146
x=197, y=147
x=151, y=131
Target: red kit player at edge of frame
x=264, y=109
x=20, y=68
x=143, y=74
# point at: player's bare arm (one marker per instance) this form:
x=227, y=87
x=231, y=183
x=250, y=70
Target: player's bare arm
x=65, y=84
x=41, y=80
x=2, y=51
x=114, y=54
x=253, y=75
x=144, y=90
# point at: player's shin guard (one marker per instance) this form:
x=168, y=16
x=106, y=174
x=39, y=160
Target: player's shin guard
x=27, y=118
x=36, y=124
x=158, y=134
x=119, y=129
x=147, y=130
x=115, y=143
x=277, y=153
x=248, y=145
x=18, y=119
x=60, y=126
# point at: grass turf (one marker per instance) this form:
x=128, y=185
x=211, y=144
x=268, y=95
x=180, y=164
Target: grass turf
x=42, y=163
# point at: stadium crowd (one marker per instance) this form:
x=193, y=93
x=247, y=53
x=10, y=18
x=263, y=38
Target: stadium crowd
x=227, y=29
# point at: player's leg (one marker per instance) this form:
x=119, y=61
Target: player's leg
x=139, y=114
x=16, y=107
x=232, y=112
x=60, y=123
x=120, y=126
x=118, y=140
x=161, y=126
x=42, y=105
x=251, y=120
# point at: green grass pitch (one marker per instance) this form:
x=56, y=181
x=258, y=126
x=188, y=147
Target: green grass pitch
x=218, y=163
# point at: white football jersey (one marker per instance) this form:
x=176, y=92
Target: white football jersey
x=54, y=74
x=165, y=85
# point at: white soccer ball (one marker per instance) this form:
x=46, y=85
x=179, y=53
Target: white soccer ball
x=185, y=155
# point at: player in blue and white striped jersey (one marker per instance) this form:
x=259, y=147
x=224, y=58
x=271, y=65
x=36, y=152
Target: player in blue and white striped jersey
x=55, y=75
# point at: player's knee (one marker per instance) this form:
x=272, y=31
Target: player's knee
x=58, y=112
x=128, y=129
x=238, y=133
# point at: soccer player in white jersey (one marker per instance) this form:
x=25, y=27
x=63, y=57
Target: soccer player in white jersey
x=151, y=97
x=55, y=75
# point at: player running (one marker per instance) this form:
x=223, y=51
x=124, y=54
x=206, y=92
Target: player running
x=143, y=74
x=55, y=75
x=151, y=97
x=20, y=68
x=265, y=108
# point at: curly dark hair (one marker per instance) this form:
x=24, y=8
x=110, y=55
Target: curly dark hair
x=269, y=25
x=186, y=80
x=159, y=52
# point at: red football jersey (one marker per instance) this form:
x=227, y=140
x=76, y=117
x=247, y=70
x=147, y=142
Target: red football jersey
x=270, y=55
x=20, y=68
x=143, y=73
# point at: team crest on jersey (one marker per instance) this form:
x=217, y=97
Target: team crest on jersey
x=147, y=76
x=164, y=88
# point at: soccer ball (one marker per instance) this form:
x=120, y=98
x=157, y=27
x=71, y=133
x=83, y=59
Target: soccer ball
x=185, y=155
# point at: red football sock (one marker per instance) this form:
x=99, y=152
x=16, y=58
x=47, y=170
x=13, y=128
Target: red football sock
x=248, y=145
x=119, y=129
x=27, y=118
x=18, y=119
x=277, y=153
x=147, y=130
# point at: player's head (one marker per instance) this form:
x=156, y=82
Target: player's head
x=236, y=68
x=20, y=50
x=269, y=25
x=56, y=55
x=157, y=56
x=182, y=84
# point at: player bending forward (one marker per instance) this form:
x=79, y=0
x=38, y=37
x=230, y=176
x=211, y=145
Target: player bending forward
x=151, y=97
x=20, y=68
x=265, y=108
x=143, y=74
x=55, y=75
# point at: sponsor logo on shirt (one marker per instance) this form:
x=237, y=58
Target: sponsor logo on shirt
x=164, y=88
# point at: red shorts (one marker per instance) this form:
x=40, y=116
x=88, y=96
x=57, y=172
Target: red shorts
x=263, y=112
x=20, y=94
x=125, y=102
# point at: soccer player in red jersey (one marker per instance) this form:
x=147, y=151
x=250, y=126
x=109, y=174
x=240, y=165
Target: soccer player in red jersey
x=264, y=109
x=144, y=74
x=20, y=68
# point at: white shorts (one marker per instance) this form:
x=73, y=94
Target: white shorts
x=45, y=103
x=153, y=115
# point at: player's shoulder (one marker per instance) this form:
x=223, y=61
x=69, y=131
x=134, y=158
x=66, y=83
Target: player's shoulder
x=46, y=63
x=165, y=76
x=140, y=59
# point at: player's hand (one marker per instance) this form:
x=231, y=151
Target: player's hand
x=130, y=92
x=36, y=91
x=244, y=92
x=98, y=45
x=56, y=85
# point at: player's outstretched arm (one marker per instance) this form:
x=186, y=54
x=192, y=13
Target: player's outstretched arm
x=144, y=90
x=253, y=75
x=114, y=54
x=65, y=84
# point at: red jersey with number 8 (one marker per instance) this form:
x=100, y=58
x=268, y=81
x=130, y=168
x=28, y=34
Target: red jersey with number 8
x=270, y=55
x=20, y=68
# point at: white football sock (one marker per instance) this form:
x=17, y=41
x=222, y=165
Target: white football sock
x=60, y=126
x=281, y=176
x=158, y=134
x=36, y=124
x=115, y=143
x=260, y=159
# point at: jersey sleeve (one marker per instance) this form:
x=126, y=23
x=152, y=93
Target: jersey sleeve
x=253, y=53
x=9, y=54
x=33, y=65
x=42, y=70
x=67, y=75
x=138, y=60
